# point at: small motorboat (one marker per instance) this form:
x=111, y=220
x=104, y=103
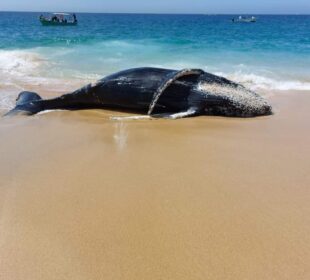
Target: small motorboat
x=244, y=19
x=56, y=19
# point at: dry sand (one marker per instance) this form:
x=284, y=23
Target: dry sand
x=84, y=197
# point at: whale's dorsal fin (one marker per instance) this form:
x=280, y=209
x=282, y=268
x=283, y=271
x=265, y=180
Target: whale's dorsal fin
x=171, y=78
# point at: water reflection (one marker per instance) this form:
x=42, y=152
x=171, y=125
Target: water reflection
x=120, y=135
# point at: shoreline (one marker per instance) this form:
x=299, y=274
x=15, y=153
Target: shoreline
x=84, y=197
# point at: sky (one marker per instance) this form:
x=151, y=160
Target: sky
x=162, y=6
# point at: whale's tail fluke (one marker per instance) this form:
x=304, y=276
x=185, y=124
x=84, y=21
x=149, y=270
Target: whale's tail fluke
x=26, y=97
x=27, y=103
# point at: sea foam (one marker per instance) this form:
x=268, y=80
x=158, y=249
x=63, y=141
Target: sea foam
x=19, y=62
x=259, y=82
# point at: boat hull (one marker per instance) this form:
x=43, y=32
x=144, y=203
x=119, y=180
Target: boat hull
x=56, y=23
x=246, y=21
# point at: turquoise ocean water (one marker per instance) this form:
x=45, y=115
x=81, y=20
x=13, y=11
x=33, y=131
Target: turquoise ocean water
x=273, y=53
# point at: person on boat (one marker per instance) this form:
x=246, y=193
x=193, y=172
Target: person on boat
x=74, y=18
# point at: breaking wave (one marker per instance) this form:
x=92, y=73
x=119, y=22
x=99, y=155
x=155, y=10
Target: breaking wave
x=258, y=82
x=20, y=63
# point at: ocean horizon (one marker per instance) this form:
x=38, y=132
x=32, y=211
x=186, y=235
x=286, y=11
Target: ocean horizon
x=271, y=54
x=161, y=13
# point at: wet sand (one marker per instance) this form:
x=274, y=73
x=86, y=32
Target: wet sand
x=84, y=197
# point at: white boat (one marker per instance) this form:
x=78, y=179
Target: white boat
x=244, y=19
x=56, y=19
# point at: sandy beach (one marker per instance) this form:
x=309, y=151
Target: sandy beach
x=85, y=197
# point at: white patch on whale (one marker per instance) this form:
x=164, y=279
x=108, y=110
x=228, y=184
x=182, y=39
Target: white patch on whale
x=249, y=102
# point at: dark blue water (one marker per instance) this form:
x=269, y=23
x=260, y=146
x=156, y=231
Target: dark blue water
x=272, y=33
x=274, y=50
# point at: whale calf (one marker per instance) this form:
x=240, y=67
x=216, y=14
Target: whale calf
x=155, y=92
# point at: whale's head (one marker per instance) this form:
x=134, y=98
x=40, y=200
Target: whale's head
x=226, y=98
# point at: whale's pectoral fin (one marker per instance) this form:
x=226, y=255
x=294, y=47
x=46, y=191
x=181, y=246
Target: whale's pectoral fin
x=131, y=118
x=193, y=111
x=188, y=113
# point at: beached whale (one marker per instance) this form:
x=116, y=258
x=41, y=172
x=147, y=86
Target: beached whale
x=155, y=92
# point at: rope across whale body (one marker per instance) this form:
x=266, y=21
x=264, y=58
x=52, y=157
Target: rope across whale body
x=168, y=81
